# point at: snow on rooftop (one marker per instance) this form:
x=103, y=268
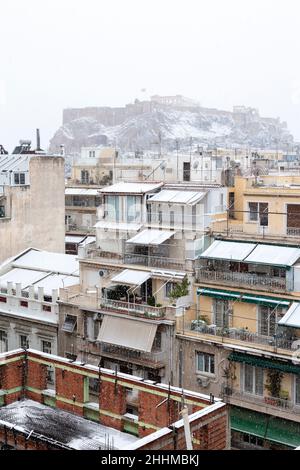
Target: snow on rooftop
x=178, y=197
x=69, y=429
x=134, y=188
x=48, y=261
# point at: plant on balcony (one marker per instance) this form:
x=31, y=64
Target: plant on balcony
x=151, y=301
x=180, y=290
x=273, y=384
x=117, y=293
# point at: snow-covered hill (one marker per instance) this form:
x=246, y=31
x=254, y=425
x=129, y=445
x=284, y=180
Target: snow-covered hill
x=151, y=126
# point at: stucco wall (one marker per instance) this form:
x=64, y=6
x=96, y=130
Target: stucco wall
x=37, y=211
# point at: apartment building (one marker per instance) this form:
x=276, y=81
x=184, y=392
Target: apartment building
x=242, y=340
x=29, y=291
x=31, y=186
x=137, y=277
x=262, y=208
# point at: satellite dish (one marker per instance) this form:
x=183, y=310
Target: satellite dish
x=102, y=272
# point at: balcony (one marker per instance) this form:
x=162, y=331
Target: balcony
x=249, y=280
x=293, y=232
x=274, y=405
x=91, y=301
x=135, y=309
x=154, y=261
x=154, y=359
x=238, y=336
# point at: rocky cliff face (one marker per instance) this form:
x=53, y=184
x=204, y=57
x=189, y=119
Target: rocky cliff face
x=148, y=125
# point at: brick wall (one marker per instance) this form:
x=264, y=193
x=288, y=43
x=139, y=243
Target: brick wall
x=158, y=407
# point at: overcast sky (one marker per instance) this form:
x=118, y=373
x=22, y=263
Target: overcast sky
x=69, y=53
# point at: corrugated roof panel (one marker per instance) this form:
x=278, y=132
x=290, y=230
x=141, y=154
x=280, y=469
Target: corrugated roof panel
x=177, y=197
x=25, y=276
x=48, y=261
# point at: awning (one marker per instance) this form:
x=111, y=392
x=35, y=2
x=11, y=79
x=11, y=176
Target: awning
x=74, y=238
x=234, y=251
x=292, y=316
x=127, y=333
x=274, y=255
x=151, y=237
x=265, y=426
x=248, y=298
x=131, y=277
x=105, y=225
x=81, y=192
x=265, y=363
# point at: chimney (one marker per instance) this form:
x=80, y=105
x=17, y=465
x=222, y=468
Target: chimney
x=38, y=141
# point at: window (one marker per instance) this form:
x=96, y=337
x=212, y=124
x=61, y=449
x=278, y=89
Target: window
x=19, y=178
x=46, y=308
x=268, y=317
x=205, y=363
x=24, y=303
x=70, y=324
x=92, y=153
x=297, y=389
x=112, y=208
x=71, y=356
x=133, y=208
x=2, y=211
x=50, y=376
x=24, y=342
x=258, y=212
x=84, y=177
x=169, y=287
x=46, y=347
x=253, y=380
x=157, y=341
x=2, y=299
x=221, y=313
x=94, y=389
x=3, y=341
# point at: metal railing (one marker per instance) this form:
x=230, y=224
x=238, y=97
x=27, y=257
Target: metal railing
x=274, y=402
x=293, y=232
x=240, y=334
x=119, y=351
x=154, y=261
x=144, y=310
x=234, y=278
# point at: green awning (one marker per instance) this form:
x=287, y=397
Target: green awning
x=248, y=298
x=264, y=362
x=265, y=426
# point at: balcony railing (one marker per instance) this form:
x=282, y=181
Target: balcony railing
x=154, y=261
x=261, y=282
x=136, y=309
x=273, y=402
x=154, y=357
x=239, y=334
x=127, y=308
x=293, y=232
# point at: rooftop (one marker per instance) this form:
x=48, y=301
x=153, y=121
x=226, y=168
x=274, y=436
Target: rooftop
x=131, y=188
x=64, y=427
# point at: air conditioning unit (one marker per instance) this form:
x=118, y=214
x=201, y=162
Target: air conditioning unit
x=203, y=380
x=103, y=272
